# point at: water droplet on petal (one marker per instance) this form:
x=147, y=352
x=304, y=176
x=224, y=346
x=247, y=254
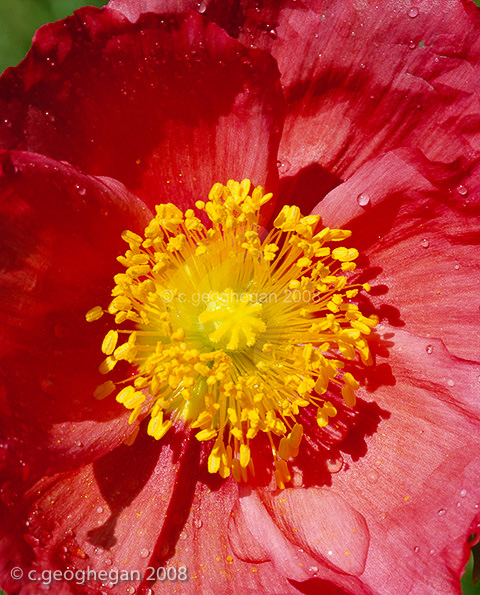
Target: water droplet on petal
x=183, y=535
x=198, y=523
x=81, y=190
x=413, y=12
x=363, y=199
x=283, y=165
x=372, y=476
x=451, y=383
x=441, y=512
x=463, y=493
x=202, y=7
x=334, y=464
x=463, y=190
x=7, y=123
x=108, y=562
x=144, y=553
x=100, y=510
x=412, y=45
x=78, y=443
x=425, y=243
x=362, y=65
x=313, y=569
x=130, y=590
x=429, y=349
x=416, y=549
x=50, y=116
x=273, y=33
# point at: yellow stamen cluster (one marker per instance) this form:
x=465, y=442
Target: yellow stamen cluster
x=231, y=330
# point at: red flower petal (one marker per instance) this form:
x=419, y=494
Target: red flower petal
x=107, y=516
x=132, y=9
x=419, y=232
x=361, y=78
x=409, y=500
x=138, y=508
x=60, y=237
x=168, y=106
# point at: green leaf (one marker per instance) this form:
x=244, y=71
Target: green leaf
x=19, y=19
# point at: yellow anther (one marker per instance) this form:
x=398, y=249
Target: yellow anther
x=324, y=412
x=234, y=330
x=110, y=342
x=94, y=314
x=345, y=254
x=104, y=390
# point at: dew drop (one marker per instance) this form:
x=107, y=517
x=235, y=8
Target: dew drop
x=183, y=535
x=130, y=590
x=463, y=190
x=100, y=510
x=98, y=551
x=7, y=123
x=372, y=476
x=50, y=116
x=273, y=33
x=363, y=199
x=429, y=349
x=78, y=443
x=313, y=569
x=412, y=45
x=144, y=553
x=413, y=12
x=416, y=549
x=108, y=561
x=451, y=383
x=334, y=464
x=202, y=7
x=81, y=190
x=362, y=65
x=284, y=165
x=463, y=493
x=441, y=512
x=198, y=523
x=457, y=266
x=425, y=243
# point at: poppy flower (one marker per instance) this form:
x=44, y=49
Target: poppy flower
x=366, y=116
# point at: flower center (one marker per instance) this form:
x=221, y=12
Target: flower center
x=232, y=322
x=232, y=329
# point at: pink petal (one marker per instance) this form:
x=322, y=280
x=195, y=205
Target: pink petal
x=212, y=545
x=408, y=499
x=363, y=78
x=132, y=9
x=418, y=235
x=60, y=237
x=109, y=515
x=168, y=106
x=137, y=508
